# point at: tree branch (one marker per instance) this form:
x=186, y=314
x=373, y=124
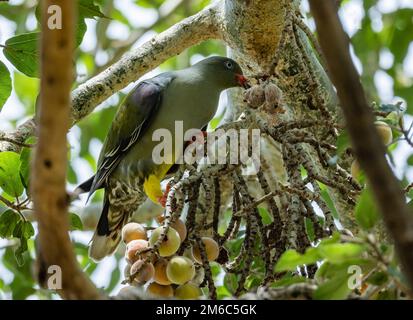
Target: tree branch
x=131, y=66
x=18, y=143
x=50, y=159
x=367, y=145
x=165, y=11
x=13, y=141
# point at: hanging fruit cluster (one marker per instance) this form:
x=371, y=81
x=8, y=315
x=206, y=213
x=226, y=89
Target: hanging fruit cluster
x=167, y=274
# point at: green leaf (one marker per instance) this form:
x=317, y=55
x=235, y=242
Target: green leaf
x=328, y=270
x=117, y=15
x=80, y=28
x=410, y=160
x=24, y=275
x=223, y=292
x=81, y=251
x=22, y=51
x=336, y=280
x=23, y=230
x=75, y=222
x=13, y=12
x=18, y=230
x=213, y=124
x=8, y=221
x=27, y=230
x=148, y=3
x=291, y=259
x=25, y=158
x=400, y=23
x=288, y=280
x=378, y=278
x=366, y=212
x=20, y=251
x=343, y=142
x=5, y=84
x=265, y=216
x=330, y=203
x=335, y=238
x=21, y=291
x=328, y=248
x=322, y=271
x=22, y=284
x=224, y=221
x=309, y=229
x=215, y=269
x=234, y=246
x=253, y=281
x=88, y=9
x=334, y=289
x=10, y=180
x=27, y=90
x=341, y=252
x=231, y=282
x=80, y=31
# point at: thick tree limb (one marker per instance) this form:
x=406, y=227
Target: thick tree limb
x=367, y=145
x=50, y=160
x=132, y=66
x=253, y=30
x=167, y=9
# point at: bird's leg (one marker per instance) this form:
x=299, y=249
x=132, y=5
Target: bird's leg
x=164, y=197
x=202, y=135
x=152, y=184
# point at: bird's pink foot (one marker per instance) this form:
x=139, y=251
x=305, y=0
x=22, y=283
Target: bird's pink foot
x=162, y=200
x=202, y=134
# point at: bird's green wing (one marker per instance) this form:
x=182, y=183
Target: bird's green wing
x=132, y=119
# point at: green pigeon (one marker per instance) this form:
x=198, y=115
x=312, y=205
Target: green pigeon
x=126, y=169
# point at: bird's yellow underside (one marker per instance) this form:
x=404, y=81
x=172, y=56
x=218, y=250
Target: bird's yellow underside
x=152, y=184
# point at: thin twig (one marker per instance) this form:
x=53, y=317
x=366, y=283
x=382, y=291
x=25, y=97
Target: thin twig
x=20, y=144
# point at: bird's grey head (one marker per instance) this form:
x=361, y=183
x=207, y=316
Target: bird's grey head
x=224, y=72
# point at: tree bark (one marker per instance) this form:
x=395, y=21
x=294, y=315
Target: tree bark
x=48, y=180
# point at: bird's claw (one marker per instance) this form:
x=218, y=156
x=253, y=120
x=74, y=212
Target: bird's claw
x=164, y=197
x=195, y=140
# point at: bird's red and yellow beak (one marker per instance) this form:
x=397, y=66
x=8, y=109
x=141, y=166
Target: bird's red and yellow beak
x=243, y=81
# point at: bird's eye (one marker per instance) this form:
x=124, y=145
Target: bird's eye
x=229, y=65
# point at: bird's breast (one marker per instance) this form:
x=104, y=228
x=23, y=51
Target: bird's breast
x=195, y=105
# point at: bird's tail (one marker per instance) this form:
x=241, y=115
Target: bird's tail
x=107, y=235
x=85, y=186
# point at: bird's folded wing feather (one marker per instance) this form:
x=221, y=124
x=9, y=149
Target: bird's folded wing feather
x=131, y=121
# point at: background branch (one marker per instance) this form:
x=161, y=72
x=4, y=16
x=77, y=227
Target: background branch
x=166, y=10
x=15, y=139
x=368, y=148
